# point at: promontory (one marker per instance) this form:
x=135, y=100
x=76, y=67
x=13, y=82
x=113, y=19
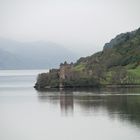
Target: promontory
x=118, y=64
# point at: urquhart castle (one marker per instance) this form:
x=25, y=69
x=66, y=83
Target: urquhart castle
x=67, y=76
x=56, y=78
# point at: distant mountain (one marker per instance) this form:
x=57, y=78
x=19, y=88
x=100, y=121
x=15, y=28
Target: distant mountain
x=32, y=55
x=8, y=60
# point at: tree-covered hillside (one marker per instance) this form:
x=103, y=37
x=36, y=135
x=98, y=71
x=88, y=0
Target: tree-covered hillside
x=117, y=64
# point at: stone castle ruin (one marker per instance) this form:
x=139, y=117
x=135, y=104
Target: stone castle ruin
x=57, y=76
x=65, y=72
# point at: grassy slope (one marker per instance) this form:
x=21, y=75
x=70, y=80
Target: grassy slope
x=135, y=71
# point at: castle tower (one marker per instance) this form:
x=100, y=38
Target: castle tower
x=65, y=72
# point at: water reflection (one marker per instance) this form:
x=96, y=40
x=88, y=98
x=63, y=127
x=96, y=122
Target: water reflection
x=66, y=102
x=122, y=104
x=63, y=98
x=99, y=114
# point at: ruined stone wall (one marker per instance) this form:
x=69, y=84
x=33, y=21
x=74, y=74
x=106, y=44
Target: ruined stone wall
x=65, y=71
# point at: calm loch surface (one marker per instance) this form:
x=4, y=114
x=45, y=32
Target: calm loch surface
x=26, y=114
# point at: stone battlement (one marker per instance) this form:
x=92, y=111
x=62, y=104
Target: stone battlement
x=65, y=70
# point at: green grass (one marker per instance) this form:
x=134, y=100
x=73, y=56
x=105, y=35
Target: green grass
x=79, y=67
x=108, y=77
x=134, y=75
x=135, y=72
x=131, y=66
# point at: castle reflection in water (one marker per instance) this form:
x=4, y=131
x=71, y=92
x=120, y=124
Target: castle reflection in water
x=65, y=99
x=123, y=103
x=66, y=103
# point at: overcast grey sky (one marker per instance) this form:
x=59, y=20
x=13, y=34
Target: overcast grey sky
x=83, y=25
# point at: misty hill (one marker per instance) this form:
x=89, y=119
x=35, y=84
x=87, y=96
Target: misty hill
x=8, y=60
x=117, y=64
x=32, y=55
